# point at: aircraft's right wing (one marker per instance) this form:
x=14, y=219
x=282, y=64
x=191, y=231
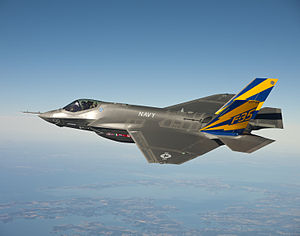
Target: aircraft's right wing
x=208, y=104
x=164, y=145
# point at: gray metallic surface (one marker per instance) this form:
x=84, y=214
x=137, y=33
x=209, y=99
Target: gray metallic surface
x=267, y=117
x=164, y=135
x=245, y=143
x=208, y=104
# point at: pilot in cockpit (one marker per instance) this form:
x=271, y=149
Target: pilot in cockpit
x=80, y=105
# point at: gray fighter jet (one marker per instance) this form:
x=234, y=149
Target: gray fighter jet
x=181, y=132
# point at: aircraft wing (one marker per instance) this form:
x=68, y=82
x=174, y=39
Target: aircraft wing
x=170, y=146
x=208, y=104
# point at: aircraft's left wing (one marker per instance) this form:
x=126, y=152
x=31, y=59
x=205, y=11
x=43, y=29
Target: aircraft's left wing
x=170, y=146
x=208, y=104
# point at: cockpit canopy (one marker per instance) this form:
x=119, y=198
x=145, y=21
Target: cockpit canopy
x=81, y=104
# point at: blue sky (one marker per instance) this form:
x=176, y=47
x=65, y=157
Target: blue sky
x=143, y=52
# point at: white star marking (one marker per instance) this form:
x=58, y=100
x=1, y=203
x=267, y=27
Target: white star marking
x=165, y=156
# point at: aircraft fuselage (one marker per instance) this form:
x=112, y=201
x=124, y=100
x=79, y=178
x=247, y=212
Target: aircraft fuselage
x=181, y=132
x=112, y=120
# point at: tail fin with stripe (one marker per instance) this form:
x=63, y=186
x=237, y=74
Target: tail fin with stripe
x=234, y=116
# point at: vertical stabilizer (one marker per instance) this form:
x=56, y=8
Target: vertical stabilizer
x=257, y=90
x=234, y=116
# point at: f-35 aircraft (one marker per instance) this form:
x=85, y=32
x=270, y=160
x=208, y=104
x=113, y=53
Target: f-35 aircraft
x=179, y=133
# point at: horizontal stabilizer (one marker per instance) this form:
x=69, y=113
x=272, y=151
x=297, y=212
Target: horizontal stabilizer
x=267, y=117
x=245, y=143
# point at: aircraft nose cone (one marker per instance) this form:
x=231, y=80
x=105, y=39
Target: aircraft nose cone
x=47, y=116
